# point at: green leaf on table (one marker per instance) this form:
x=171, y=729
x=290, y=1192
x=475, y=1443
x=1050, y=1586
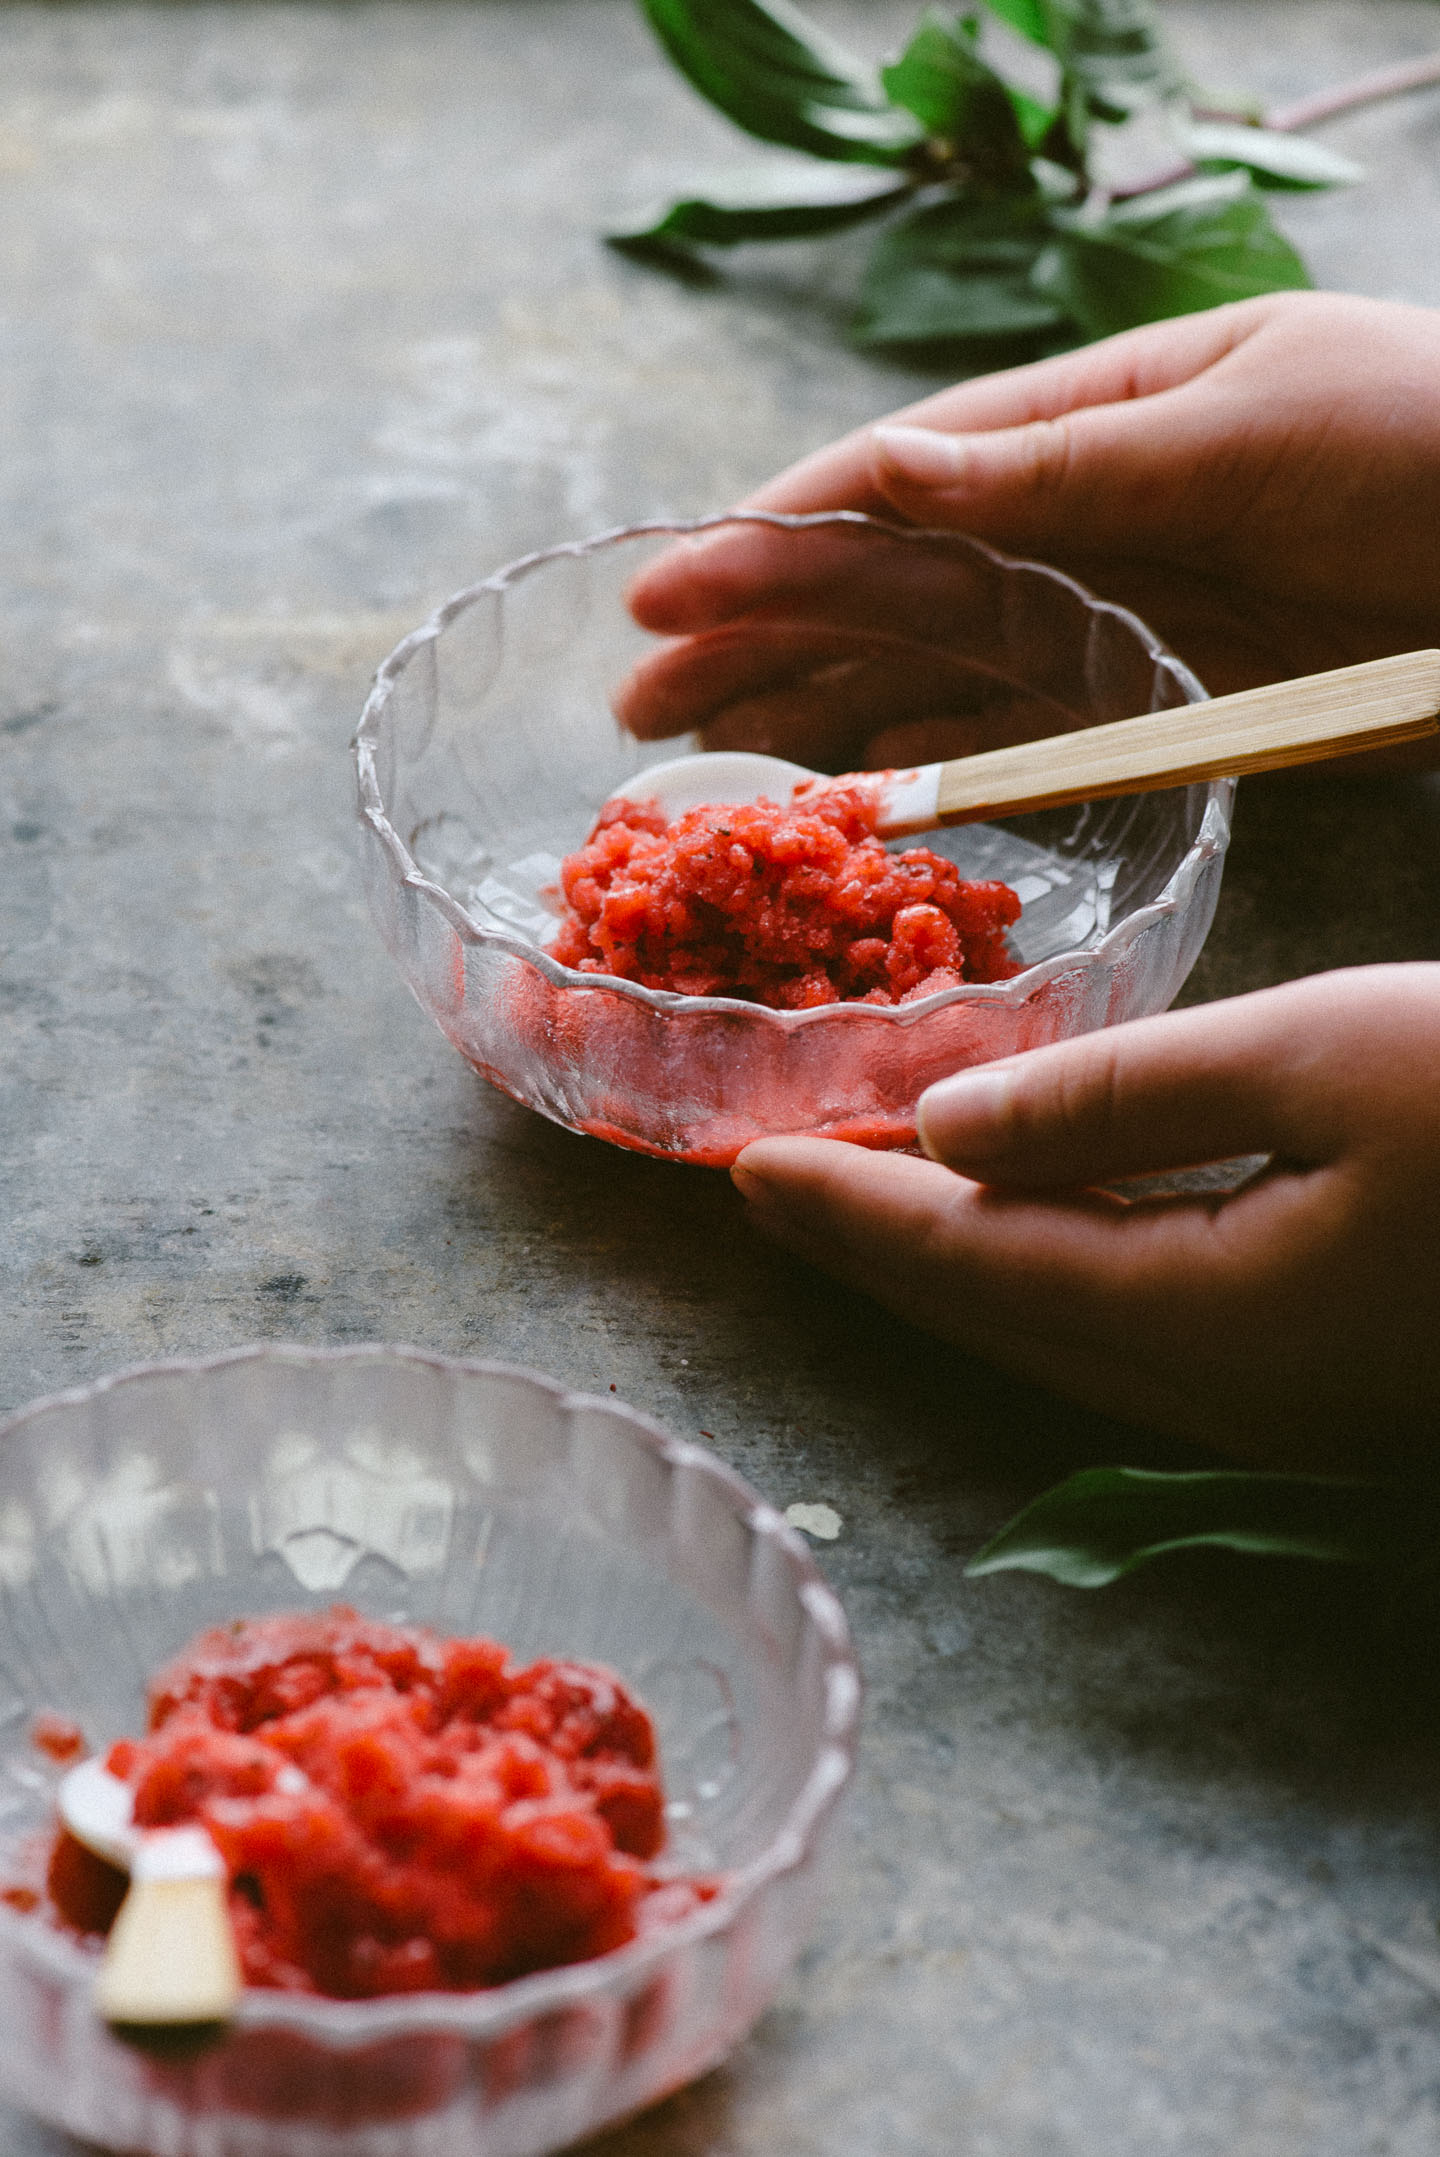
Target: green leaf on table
x=1275, y=159
x=769, y=205
x=956, y=270
x=1115, y=50
x=1112, y=52
x=992, y=235
x=777, y=75
x=674, y=257
x=1035, y=120
x=960, y=101
x=1104, y=1522
x=1030, y=17
x=1172, y=251
x=1122, y=37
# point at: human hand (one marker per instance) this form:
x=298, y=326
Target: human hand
x=852, y=643
x=1291, y=1323
x=1259, y=482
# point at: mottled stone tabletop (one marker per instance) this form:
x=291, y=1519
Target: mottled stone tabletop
x=303, y=324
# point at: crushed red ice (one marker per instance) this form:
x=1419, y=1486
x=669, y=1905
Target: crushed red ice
x=397, y=1811
x=791, y=906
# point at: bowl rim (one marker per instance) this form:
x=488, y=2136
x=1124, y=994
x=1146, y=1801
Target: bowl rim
x=494, y=2010
x=1211, y=838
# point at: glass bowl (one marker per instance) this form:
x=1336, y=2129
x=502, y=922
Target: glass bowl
x=488, y=746
x=476, y=1499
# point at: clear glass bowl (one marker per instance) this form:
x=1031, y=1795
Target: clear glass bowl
x=487, y=748
x=476, y=1499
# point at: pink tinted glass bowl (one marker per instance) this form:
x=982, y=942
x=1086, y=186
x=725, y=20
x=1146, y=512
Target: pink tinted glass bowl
x=488, y=746
x=475, y=1499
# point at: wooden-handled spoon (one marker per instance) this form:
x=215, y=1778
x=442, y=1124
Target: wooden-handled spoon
x=170, y=1964
x=1376, y=705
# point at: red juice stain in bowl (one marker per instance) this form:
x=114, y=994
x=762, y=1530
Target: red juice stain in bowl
x=793, y=907
x=60, y=1739
x=397, y=1811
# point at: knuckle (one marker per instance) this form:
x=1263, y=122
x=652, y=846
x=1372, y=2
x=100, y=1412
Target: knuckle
x=1050, y=455
x=1079, y=1097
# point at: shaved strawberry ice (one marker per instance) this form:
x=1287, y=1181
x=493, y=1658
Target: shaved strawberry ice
x=793, y=907
x=397, y=1811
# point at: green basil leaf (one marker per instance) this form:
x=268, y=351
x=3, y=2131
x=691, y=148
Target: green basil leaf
x=1275, y=159
x=956, y=270
x=774, y=73
x=1034, y=120
x=677, y=261
x=1114, y=61
x=1099, y=105
x=1104, y=1522
x=1170, y=252
x=1118, y=43
x=1104, y=42
x=1029, y=17
x=770, y=206
x=955, y=95
x=963, y=105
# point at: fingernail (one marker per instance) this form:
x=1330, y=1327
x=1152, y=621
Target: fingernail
x=968, y=1114
x=747, y=1173
x=746, y=1182
x=922, y=454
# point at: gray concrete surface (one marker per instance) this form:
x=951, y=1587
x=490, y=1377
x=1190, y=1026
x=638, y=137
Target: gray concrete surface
x=303, y=323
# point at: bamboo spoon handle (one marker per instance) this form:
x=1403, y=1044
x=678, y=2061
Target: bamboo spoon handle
x=170, y=1961
x=1371, y=706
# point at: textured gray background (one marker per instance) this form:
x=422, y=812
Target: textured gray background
x=304, y=324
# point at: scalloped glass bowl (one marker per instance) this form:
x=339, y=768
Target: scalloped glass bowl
x=487, y=748
x=473, y=1498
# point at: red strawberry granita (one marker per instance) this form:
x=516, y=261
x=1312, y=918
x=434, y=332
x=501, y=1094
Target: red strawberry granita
x=791, y=906
x=397, y=1812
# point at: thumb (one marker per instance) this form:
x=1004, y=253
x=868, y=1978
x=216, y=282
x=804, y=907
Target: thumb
x=1090, y=479
x=1245, y=1076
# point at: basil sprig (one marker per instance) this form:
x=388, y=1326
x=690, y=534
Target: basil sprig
x=995, y=225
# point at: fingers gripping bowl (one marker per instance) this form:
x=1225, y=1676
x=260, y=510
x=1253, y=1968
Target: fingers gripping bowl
x=471, y=1499
x=488, y=747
